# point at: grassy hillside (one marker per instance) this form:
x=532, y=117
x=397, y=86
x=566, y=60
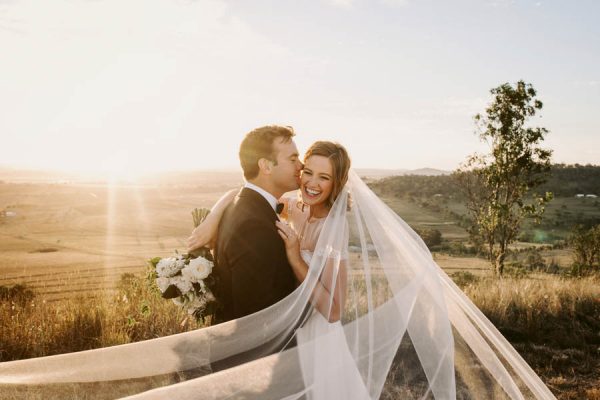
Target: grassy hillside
x=440, y=198
x=563, y=181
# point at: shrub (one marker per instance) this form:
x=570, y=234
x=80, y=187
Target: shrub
x=464, y=278
x=431, y=237
x=17, y=293
x=456, y=248
x=586, y=249
x=516, y=270
x=534, y=261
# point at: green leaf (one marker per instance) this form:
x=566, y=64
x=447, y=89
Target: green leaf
x=145, y=309
x=154, y=261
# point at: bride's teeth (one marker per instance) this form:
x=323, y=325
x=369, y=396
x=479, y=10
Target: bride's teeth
x=312, y=192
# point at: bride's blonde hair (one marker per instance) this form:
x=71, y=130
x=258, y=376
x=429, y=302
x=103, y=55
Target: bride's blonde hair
x=340, y=162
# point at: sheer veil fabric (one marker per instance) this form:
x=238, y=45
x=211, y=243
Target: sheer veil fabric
x=405, y=326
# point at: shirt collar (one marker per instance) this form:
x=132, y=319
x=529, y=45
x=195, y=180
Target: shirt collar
x=268, y=196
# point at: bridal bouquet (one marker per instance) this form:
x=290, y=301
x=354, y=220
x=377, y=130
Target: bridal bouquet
x=186, y=278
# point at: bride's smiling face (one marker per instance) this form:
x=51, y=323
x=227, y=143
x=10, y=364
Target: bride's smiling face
x=317, y=180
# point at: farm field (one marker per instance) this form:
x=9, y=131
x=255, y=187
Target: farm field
x=69, y=239
x=421, y=217
x=73, y=239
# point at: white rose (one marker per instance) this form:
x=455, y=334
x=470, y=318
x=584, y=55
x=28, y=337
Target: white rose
x=198, y=269
x=162, y=283
x=163, y=268
x=169, y=266
x=182, y=284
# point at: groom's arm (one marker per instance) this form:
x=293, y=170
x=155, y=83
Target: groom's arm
x=260, y=272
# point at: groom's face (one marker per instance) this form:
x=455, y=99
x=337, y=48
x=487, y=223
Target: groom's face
x=286, y=173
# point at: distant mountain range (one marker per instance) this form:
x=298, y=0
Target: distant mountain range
x=382, y=173
x=9, y=174
x=198, y=177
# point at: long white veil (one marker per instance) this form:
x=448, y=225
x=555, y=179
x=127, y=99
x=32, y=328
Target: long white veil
x=407, y=331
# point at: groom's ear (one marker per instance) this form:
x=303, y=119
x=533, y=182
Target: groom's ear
x=265, y=165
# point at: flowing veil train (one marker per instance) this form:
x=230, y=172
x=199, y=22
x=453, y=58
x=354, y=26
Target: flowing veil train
x=405, y=326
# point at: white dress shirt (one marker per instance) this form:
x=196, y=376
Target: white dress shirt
x=268, y=196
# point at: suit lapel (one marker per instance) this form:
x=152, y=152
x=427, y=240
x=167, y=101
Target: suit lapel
x=258, y=202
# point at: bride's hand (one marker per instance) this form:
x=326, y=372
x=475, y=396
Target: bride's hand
x=204, y=234
x=290, y=238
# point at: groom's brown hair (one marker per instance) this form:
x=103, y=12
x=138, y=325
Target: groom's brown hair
x=258, y=144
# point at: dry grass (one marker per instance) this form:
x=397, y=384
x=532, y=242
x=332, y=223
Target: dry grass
x=554, y=311
x=554, y=323
x=30, y=327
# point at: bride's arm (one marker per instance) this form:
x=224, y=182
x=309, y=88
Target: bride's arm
x=205, y=234
x=329, y=294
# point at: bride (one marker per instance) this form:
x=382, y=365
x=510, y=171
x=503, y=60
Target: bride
x=326, y=167
x=385, y=321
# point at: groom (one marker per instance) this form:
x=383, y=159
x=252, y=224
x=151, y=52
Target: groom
x=250, y=257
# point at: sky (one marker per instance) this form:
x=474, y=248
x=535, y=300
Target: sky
x=128, y=87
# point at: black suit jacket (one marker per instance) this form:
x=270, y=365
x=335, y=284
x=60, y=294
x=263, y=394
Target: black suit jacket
x=250, y=258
